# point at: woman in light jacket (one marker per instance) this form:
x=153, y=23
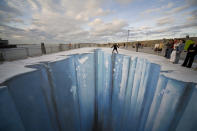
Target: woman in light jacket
x=174, y=52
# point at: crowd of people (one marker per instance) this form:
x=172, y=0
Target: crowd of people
x=175, y=47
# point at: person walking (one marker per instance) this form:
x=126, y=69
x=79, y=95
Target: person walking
x=115, y=47
x=191, y=52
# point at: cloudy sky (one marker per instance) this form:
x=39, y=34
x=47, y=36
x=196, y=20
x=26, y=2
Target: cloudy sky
x=75, y=21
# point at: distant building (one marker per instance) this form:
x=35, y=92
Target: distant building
x=5, y=44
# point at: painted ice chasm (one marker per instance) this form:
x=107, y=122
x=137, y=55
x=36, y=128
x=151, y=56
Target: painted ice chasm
x=97, y=91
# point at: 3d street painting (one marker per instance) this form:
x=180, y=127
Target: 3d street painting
x=97, y=91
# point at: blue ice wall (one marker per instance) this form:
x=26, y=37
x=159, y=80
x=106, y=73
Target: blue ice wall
x=97, y=91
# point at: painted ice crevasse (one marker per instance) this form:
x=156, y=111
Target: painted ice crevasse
x=97, y=91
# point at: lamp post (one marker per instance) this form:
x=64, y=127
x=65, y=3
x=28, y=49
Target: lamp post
x=128, y=36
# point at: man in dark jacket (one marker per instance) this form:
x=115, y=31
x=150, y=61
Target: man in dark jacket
x=115, y=47
x=169, y=49
x=137, y=46
x=191, y=52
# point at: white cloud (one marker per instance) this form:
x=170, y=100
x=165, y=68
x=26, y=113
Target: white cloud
x=172, y=29
x=63, y=20
x=151, y=10
x=96, y=22
x=56, y=21
x=144, y=27
x=164, y=21
x=192, y=18
x=188, y=4
x=177, y=9
x=192, y=2
x=100, y=28
x=124, y=1
x=169, y=5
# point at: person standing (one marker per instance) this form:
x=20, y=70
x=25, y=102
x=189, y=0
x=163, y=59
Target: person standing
x=188, y=43
x=115, y=48
x=166, y=48
x=137, y=46
x=174, y=52
x=169, y=49
x=191, y=52
x=179, y=50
